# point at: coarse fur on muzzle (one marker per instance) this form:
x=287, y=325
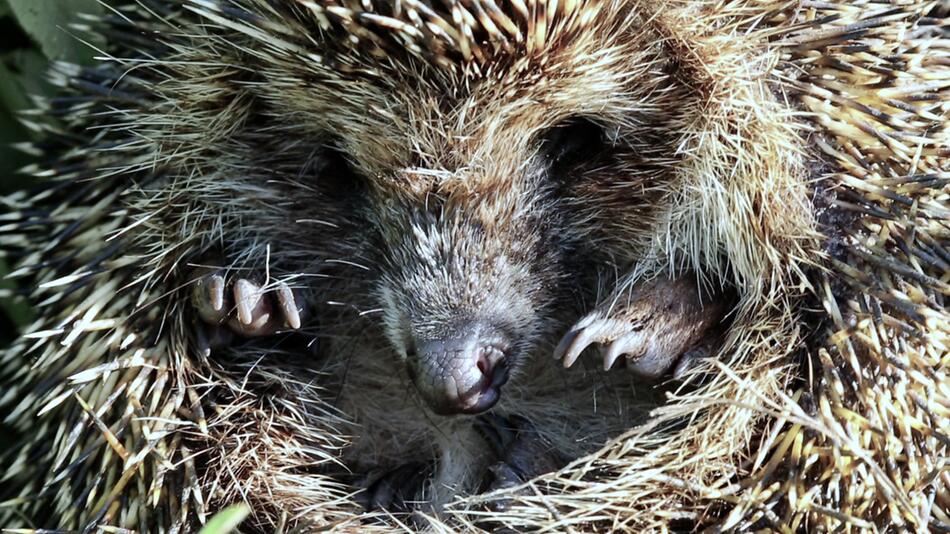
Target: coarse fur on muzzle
x=468, y=282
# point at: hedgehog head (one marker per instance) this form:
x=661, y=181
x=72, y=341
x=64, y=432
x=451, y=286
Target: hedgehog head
x=487, y=187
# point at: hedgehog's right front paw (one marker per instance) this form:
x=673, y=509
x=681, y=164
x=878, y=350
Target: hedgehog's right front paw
x=661, y=325
x=396, y=491
x=521, y=452
x=246, y=308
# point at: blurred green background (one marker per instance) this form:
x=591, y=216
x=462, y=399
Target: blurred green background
x=32, y=33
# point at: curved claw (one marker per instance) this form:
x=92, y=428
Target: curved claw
x=585, y=333
x=253, y=310
x=616, y=340
x=209, y=299
x=288, y=305
x=565, y=342
x=244, y=307
x=614, y=351
x=580, y=342
x=663, y=319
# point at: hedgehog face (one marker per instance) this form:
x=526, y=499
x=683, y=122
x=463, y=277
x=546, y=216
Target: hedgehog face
x=479, y=198
x=477, y=257
x=492, y=186
x=469, y=260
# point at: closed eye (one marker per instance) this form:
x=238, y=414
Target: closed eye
x=572, y=144
x=335, y=175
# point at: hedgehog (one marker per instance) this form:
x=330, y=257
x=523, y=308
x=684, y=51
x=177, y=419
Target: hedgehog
x=570, y=265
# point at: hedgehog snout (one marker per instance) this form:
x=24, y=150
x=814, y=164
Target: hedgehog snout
x=463, y=372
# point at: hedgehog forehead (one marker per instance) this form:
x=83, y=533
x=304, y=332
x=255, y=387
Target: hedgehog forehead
x=475, y=142
x=433, y=84
x=442, y=86
x=417, y=117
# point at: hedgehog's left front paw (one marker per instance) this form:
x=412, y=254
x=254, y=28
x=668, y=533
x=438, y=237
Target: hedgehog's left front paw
x=245, y=307
x=661, y=325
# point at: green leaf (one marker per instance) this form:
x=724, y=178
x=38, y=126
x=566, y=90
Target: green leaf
x=225, y=521
x=21, y=75
x=4, y=8
x=12, y=98
x=10, y=158
x=12, y=94
x=47, y=22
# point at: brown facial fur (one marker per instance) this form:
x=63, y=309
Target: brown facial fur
x=461, y=214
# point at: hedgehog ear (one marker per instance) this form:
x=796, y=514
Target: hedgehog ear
x=571, y=143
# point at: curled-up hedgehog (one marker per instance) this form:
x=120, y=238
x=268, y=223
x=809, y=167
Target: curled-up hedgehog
x=570, y=265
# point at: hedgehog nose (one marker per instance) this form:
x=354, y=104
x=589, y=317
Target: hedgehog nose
x=461, y=373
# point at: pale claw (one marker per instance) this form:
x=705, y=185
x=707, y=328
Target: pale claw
x=587, y=331
x=253, y=309
x=208, y=298
x=658, y=330
x=247, y=309
x=615, y=339
x=618, y=348
x=574, y=342
x=288, y=306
